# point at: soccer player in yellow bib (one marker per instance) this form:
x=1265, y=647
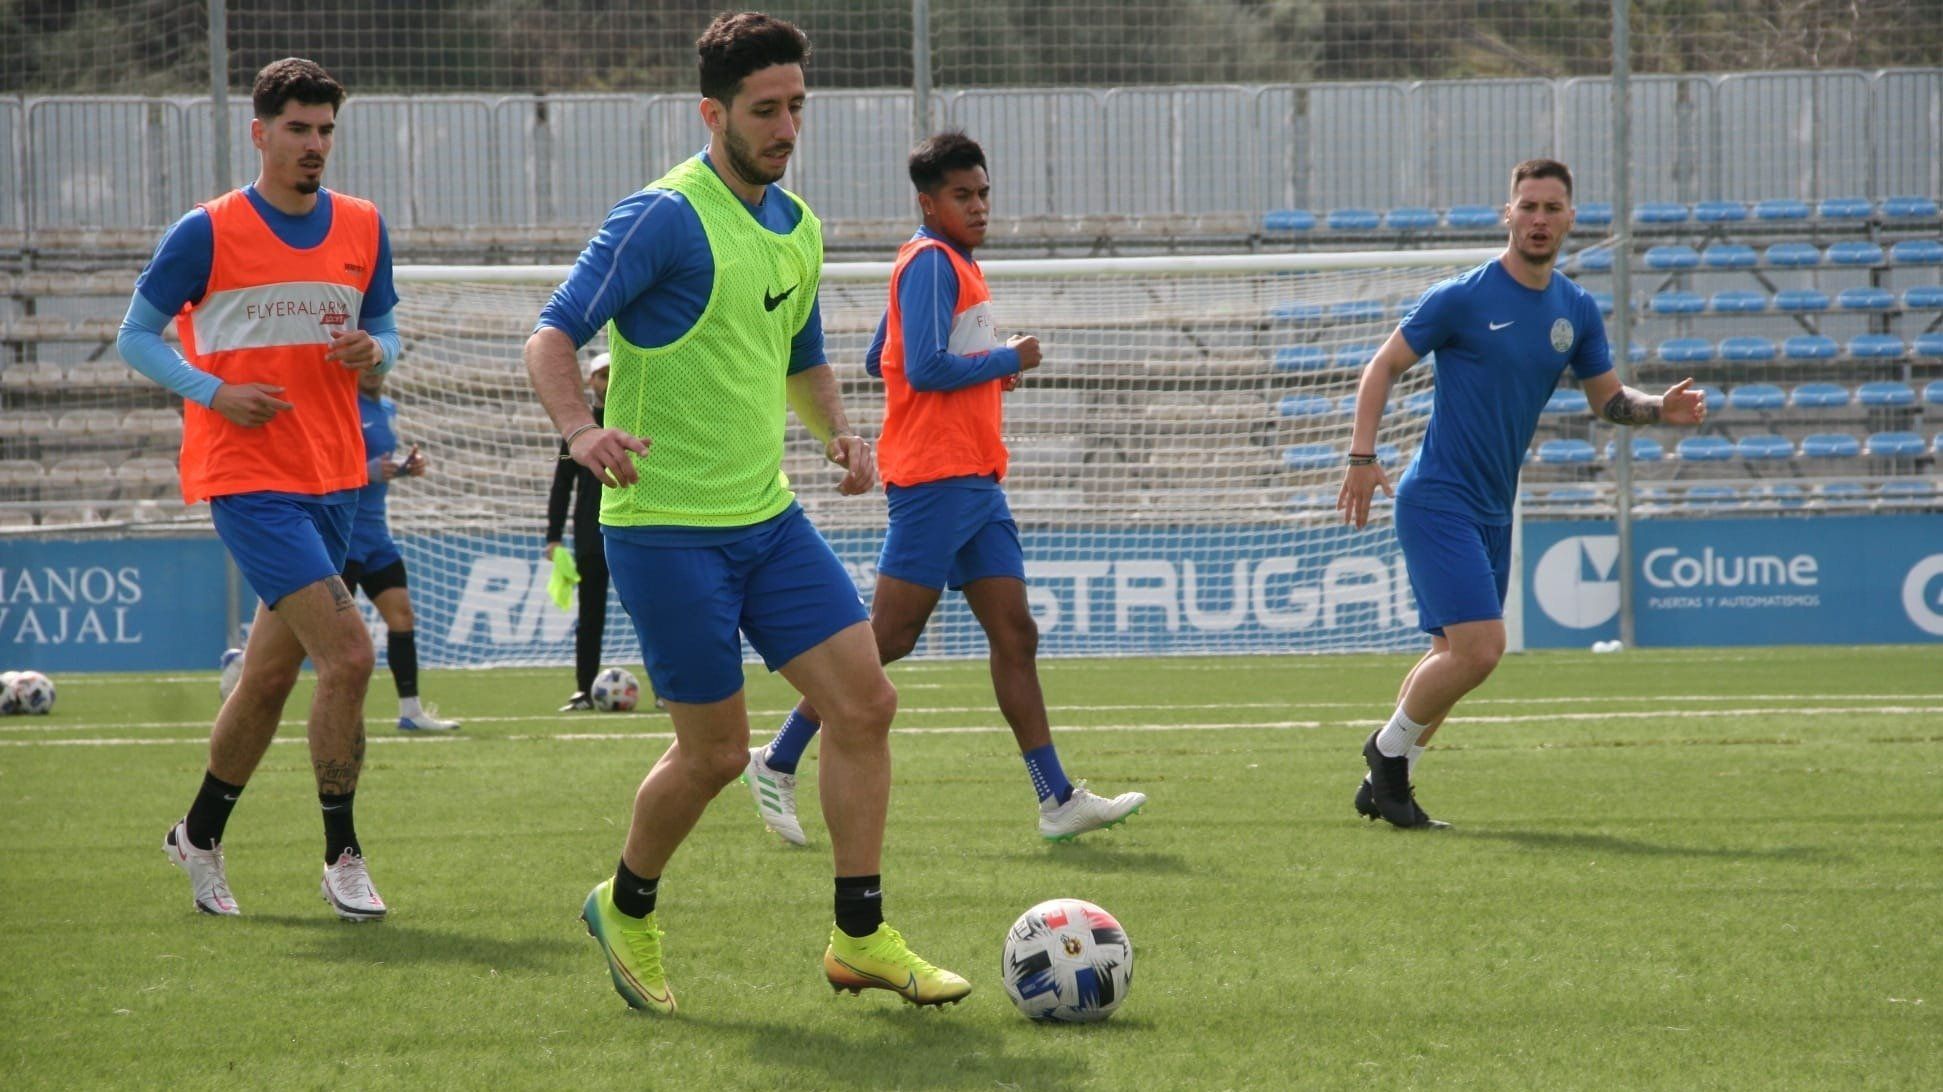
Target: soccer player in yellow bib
x=709, y=278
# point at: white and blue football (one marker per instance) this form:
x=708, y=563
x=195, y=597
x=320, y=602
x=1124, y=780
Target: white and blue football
x=1067, y=960
x=615, y=690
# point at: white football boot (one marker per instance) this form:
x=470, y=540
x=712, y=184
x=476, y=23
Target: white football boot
x=1084, y=811
x=347, y=887
x=207, y=880
x=775, y=795
x=425, y=719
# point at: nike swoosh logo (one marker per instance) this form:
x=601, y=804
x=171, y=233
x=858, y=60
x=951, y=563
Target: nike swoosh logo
x=770, y=302
x=877, y=894
x=910, y=984
x=1500, y=325
x=229, y=798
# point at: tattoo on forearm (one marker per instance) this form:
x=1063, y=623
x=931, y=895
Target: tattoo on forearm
x=1630, y=407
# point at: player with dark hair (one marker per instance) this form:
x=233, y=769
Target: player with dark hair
x=709, y=280
x=282, y=295
x=944, y=373
x=1503, y=333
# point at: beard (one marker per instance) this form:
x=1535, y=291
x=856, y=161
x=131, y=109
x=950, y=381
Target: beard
x=308, y=186
x=743, y=161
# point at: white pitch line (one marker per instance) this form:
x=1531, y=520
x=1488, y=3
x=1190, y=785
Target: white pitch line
x=204, y=740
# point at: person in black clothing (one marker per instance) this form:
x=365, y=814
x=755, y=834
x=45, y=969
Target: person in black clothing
x=588, y=553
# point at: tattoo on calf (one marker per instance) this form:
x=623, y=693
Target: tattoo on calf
x=337, y=778
x=1629, y=407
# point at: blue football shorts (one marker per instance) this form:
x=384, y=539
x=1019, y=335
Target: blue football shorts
x=779, y=584
x=1459, y=568
x=950, y=533
x=285, y=541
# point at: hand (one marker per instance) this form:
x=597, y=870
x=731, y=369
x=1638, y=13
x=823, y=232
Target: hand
x=547, y=550
x=355, y=349
x=1359, y=486
x=1009, y=383
x=1680, y=406
x=853, y=454
x=1027, y=347
x=249, y=404
x=414, y=464
x=387, y=469
x=606, y=452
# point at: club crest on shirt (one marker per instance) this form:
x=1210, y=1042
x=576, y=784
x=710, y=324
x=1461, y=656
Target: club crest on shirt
x=1561, y=335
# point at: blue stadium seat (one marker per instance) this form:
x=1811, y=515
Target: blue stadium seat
x=1865, y=298
x=1908, y=208
x=1737, y=301
x=1750, y=397
x=1929, y=346
x=1289, y=220
x=1719, y=212
x=1876, y=347
x=1801, y=299
x=1389, y=454
x=1672, y=256
x=1933, y=393
x=1917, y=252
x=1594, y=259
x=1660, y=212
x=1908, y=489
x=1714, y=496
x=1306, y=405
x=1923, y=297
x=1313, y=499
x=1566, y=400
x=1302, y=358
x=1645, y=450
x=1729, y=256
x=1353, y=219
x=1346, y=405
x=1830, y=445
x=1472, y=216
x=1885, y=394
x=1810, y=347
x=1781, y=208
x=1686, y=350
x=1678, y=303
x=1841, y=491
x=1310, y=456
x=1564, y=452
x=1595, y=213
x=1854, y=252
x=1746, y=347
x=1570, y=494
x=1356, y=354
x=1784, y=494
x=1410, y=218
x=1764, y=448
x=1603, y=300
x=1820, y=396
x=1895, y=445
x=1404, y=307
x=1636, y=352
x=1357, y=311
x=1299, y=312
x=1844, y=208
x=1793, y=255
x=1419, y=403
x=1705, y=449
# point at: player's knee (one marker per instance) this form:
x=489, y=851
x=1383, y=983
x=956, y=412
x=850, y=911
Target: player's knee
x=894, y=645
x=724, y=762
x=403, y=620
x=1479, y=658
x=348, y=662
x=271, y=682
x=1015, y=638
x=865, y=711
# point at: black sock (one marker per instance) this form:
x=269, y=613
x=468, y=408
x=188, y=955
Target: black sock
x=210, y=813
x=860, y=904
x=340, y=831
x=634, y=895
x=401, y=650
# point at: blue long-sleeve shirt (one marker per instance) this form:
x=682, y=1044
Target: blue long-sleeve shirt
x=927, y=301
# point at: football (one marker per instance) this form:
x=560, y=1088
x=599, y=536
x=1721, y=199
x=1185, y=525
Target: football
x=9, y=701
x=615, y=690
x=231, y=661
x=33, y=692
x=1067, y=960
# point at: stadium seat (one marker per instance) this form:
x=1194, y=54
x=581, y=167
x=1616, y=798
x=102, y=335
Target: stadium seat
x=151, y=422
x=1686, y=350
x=1842, y=492
x=1714, y=496
x=1865, y=298
x=1793, y=255
x=1389, y=454
x=1570, y=494
x=1636, y=352
x=1357, y=311
x=1704, y=449
x=1746, y=347
x=1737, y=301
x=1645, y=450
x=1895, y=445
x=1289, y=220
x=1830, y=445
x=1678, y=302
x=1764, y=448
x=1302, y=358
x=1844, y=208
x=1346, y=406
x=1908, y=489
x=1876, y=347
x=1923, y=297
x=1783, y=494
x=1810, y=347
x=1306, y=405
x=1419, y=403
x=1595, y=213
x=1356, y=354
x=20, y=473
x=1660, y=212
x=1929, y=346
x=1885, y=394
x=1672, y=256
x=1754, y=397
x=1908, y=208
x=1719, y=212
x=1472, y=216
x=1820, y=396
x=1313, y=500
x=1801, y=299
x=1566, y=400
x=1933, y=393
x=1299, y=312
x=1603, y=300
x=1564, y=452
x=94, y=422
x=1917, y=252
x=1594, y=259
x=1311, y=456
x=1410, y=218
x=1729, y=256
x=1854, y=252
x=1353, y=219
x=1781, y=208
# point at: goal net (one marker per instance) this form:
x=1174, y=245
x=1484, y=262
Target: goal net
x=1175, y=459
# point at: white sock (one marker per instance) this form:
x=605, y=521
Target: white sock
x=409, y=707
x=1398, y=736
x=1416, y=752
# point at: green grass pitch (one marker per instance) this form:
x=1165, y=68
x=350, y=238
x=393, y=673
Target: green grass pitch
x=1670, y=869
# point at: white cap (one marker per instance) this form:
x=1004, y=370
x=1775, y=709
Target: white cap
x=598, y=363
